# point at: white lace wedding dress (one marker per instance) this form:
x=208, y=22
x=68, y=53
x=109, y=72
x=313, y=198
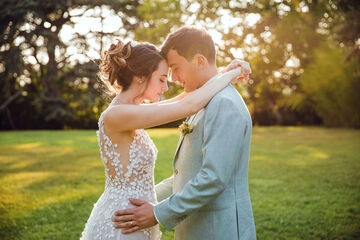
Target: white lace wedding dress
x=122, y=181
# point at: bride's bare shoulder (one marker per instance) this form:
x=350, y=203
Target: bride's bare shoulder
x=116, y=114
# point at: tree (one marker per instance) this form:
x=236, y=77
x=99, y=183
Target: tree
x=39, y=77
x=42, y=81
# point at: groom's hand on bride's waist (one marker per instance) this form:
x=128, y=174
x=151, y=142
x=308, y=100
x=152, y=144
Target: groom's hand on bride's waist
x=135, y=219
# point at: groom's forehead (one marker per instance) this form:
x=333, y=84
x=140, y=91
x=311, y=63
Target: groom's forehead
x=174, y=58
x=172, y=55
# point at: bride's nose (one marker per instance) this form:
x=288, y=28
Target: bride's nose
x=165, y=88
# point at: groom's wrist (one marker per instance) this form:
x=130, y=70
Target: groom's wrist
x=157, y=220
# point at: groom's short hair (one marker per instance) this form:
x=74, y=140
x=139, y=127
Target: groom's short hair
x=189, y=41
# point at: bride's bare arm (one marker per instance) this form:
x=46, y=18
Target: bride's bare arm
x=246, y=70
x=175, y=99
x=170, y=100
x=126, y=117
x=234, y=64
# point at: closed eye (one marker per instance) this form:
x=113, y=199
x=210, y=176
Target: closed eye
x=163, y=78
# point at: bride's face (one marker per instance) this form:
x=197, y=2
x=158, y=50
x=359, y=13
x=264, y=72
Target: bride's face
x=157, y=83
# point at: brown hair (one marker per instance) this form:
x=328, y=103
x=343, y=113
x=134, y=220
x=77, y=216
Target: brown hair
x=188, y=41
x=121, y=62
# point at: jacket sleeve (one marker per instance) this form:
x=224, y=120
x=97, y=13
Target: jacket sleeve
x=224, y=130
x=164, y=189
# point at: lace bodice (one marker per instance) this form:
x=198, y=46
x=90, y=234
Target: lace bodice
x=130, y=175
x=135, y=174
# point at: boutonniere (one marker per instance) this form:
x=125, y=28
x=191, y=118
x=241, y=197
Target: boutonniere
x=186, y=128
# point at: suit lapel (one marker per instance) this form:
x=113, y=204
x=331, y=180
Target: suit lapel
x=189, y=120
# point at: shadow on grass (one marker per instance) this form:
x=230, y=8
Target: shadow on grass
x=47, y=159
x=303, y=182
x=60, y=220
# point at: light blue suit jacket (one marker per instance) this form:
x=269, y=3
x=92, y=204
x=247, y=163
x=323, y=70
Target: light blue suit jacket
x=207, y=197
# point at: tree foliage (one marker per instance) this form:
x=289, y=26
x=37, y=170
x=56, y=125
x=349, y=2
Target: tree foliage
x=289, y=44
x=56, y=91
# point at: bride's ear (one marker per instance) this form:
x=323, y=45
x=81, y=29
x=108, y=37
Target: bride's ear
x=139, y=80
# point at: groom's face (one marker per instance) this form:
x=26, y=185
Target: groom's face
x=183, y=71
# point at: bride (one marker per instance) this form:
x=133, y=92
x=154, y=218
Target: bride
x=126, y=150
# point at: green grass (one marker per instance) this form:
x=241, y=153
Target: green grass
x=304, y=182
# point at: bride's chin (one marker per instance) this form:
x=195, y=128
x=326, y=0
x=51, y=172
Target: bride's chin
x=153, y=99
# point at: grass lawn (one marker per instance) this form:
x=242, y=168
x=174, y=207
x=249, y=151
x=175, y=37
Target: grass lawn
x=304, y=182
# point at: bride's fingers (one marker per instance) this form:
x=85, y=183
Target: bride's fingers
x=241, y=78
x=123, y=218
x=244, y=78
x=245, y=71
x=130, y=230
x=235, y=65
x=230, y=67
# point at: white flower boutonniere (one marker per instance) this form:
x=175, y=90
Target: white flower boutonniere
x=186, y=128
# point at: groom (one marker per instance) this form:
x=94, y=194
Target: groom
x=207, y=197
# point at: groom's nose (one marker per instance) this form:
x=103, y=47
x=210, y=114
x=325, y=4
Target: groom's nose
x=174, y=78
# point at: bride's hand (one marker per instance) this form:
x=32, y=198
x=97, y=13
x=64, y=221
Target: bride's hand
x=245, y=70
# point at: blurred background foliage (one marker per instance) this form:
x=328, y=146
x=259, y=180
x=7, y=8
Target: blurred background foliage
x=304, y=55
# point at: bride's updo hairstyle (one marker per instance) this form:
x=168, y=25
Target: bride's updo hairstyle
x=121, y=62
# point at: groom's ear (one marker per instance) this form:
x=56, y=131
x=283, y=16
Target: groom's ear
x=199, y=60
